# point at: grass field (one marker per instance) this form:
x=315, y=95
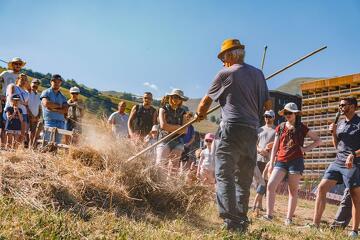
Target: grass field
x=21, y=222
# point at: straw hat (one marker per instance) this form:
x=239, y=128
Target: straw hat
x=230, y=44
x=179, y=93
x=290, y=107
x=15, y=59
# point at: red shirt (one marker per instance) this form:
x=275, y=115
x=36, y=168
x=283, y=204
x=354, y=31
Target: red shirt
x=290, y=143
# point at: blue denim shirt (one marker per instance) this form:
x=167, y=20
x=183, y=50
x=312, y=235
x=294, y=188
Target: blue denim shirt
x=58, y=98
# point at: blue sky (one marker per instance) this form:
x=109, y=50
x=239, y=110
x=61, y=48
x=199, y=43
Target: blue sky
x=136, y=46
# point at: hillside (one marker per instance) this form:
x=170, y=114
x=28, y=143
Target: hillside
x=293, y=86
x=95, y=101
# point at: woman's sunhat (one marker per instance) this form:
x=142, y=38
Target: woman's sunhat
x=179, y=93
x=290, y=107
x=16, y=59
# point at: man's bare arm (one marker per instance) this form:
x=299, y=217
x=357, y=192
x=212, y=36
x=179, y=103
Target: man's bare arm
x=130, y=121
x=203, y=107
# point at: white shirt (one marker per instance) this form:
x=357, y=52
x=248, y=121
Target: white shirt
x=7, y=77
x=119, y=126
x=208, y=162
x=34, y=103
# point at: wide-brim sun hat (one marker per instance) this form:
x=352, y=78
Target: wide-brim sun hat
x=74, y=90
x=179, y=93
x=290, y=107
x=16, y=59
x=230, y=44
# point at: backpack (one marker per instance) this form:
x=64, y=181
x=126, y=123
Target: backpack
x=144, y=119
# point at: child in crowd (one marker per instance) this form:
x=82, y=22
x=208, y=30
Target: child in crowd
x=13, y=122
x=152, y=137
x=206, y=166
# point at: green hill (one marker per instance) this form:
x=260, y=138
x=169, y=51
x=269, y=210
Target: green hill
x=293, y=86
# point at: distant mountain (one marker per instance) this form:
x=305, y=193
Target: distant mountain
x=293, y=86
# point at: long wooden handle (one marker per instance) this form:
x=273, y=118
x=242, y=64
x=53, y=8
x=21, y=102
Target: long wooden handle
x=218, y=106
x=172, y=134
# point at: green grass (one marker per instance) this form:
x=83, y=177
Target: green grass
x=21, y=222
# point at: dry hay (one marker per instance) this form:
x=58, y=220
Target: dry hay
x=95, y=177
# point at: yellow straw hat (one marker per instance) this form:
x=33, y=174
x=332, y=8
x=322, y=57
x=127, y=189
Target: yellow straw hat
x=16, y=59
x=230, y=44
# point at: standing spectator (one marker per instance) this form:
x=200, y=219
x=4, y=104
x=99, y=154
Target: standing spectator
x=152, y=137
x=20, y=89
x=142, y=117
x=54, y=107
x=7, y=77
x=119, y=121
x=266, y=136
x=289, y=150
x=13, y=122
x=34, y=110
x=74, y=114
x=243, y=94
x=171, y=116
x=189, y=138
x=346, y=167
x=206, y=164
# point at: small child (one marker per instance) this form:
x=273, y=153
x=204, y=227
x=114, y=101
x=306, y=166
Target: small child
x=152, y=137
x=206, y=166
x=13, y=122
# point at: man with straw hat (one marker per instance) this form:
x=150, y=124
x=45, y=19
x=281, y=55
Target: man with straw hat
x=243, y=94
x=7, y=77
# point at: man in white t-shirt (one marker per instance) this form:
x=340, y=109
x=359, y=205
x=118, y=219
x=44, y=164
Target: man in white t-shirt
x=6, y=78
x=118, y=121
x=34, y=112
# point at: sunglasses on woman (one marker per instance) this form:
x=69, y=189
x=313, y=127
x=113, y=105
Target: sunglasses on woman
x=288, y=113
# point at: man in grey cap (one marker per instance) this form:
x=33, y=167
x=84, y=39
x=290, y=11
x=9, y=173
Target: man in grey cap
x=266, y=136
x=243, y=95
x=34, y=112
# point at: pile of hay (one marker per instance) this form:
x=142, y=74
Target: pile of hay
x=95, y=176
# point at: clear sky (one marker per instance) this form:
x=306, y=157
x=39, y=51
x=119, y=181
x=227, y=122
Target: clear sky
x=136, y=46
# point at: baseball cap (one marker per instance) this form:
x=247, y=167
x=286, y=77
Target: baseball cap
x=269, y=113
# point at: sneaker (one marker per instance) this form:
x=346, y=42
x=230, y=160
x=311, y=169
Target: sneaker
x=353, y=234
x=310, y=226
x=268, y=218
x=288, y=222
